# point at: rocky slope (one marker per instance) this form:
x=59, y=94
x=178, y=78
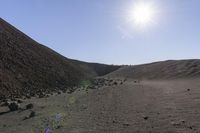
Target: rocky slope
x=28, y=68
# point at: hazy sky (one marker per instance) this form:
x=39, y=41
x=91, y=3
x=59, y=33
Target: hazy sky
x=98, y=31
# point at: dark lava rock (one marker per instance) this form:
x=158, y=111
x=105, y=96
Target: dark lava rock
x=13, y=99
x=190, y=127
x=28, y=97
x=47, y=96
x=29, y=106
x=26, y=117
x=146, y=117
x=19, y=101
x=59, y=126
x=32, y=114
x=13, y=106
x=5, y=103
x=41, y=96
x=114, y=121
x=4, y=125
x=64, y=91
x=126, y=124
x=70, y=91
x=115, y=83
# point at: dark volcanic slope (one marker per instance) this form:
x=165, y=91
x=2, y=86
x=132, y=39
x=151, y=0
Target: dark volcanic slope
x=27, y=67
x=170, y=69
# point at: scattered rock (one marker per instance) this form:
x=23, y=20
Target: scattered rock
x=84, y=106
x=70, y=91
x=29, y=106
x=100, y=82
x=126, y=124
x=32, y=94
x=19, y=101
x=64, y=91
x=59, y=126
x=190, y=127
x=5, y=103
x=13, y=99
x=182, y=121
x=28, y=96
x=26, y=117
x=13, y=106
x=47, y=96
x=32, y=114
x=41, y=96
x=146, y=117
x=115, y=83
x=114, y=121
x=4, y=125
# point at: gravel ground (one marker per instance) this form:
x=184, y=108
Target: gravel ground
x=131, y=107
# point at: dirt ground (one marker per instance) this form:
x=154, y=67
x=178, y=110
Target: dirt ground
x=144, y=107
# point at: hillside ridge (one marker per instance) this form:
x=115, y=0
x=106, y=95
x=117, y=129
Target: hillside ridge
x=29, y=68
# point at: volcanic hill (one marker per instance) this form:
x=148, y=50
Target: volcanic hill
x=28, y=68
x=163, y=70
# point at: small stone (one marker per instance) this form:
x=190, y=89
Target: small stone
x=126, y=124
x=182, y=121
x=26, y=117
x=19, y=101
x=13, y=106
x=6, y=103
x=28, y=97
x=146, y=117
x=114, y=121
x=190, y=127
x=115, y=83
x=41, y=96
x=13, y=99
x=64, y=91
x=4, y=125
x=32, y=114
x=84, y=106
x=59, y=126
x=29, y=106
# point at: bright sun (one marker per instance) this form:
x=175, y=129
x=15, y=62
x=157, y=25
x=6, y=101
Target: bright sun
x=142, y=14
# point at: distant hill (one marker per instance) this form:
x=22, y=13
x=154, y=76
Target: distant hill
x=28, y=68
x=171, y=69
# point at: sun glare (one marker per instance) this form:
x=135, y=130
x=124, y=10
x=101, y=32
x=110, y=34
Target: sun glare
x=142, y=14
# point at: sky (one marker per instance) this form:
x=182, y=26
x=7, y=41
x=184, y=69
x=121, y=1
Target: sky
x=98, y=30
